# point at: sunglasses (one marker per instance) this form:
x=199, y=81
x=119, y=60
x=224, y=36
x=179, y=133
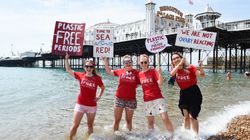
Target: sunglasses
x=144, y=62
x=91, y=67
x=127, y=62
x=175, y=58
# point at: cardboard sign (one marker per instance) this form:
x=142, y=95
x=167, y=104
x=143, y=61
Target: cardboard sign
x=103, y=43
x=202, y=40
x=68, y=37
x=156, y=43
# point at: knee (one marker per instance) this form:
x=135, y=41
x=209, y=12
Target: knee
x=151, y=123
x=186, y=118
x=117, y=120
x=75, y=126
x=90, y=125
x=193, y=118
x=129, y=121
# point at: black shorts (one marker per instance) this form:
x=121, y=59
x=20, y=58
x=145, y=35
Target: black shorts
x=191, y=99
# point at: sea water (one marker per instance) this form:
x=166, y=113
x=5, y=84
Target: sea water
x=38, y=103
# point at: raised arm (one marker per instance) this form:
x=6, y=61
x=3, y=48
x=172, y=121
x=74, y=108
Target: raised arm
x=67, y=66
x=160, y=78
x=178, y=66
x=107, y=68
x=200, y=72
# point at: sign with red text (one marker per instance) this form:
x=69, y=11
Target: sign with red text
x=103, y=43
x=202, y=40
x=156, y=43
x=68, y=37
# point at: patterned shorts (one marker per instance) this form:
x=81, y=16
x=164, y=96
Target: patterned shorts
x=155, y=107
x=130, y=104
x=85, y=109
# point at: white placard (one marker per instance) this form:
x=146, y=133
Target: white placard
x=202, y=40
x=103, y=43
x=156, y=43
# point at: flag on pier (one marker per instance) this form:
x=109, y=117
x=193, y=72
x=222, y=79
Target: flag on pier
x=190, y=2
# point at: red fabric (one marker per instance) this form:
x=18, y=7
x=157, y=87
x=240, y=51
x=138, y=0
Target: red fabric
x=186, y=78
x=128, y=82
x=150, y=87
x=88, y=88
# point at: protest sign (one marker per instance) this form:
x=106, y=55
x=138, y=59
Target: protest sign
x=103, y=43
x=202, y=40
x=156, y=43
x=68, y=37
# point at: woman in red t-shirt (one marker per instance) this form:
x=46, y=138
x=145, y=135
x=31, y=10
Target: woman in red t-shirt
x=190, y=95
x=155, y=104
x=86, y=101
x=125, y=97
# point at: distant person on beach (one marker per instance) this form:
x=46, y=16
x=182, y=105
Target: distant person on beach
x=125, y=98
x=151, y=80
x=229, y=75
x=247, y=74
x=190, y=95
x=87, y=100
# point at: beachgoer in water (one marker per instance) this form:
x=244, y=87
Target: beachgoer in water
x=86, y=102
x=229, y=75
x=247, y=74
x=190, y=95
x=125, y=98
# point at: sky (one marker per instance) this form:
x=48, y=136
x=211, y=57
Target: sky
x=28, y=25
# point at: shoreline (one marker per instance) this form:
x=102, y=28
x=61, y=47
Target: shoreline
x=237, y=129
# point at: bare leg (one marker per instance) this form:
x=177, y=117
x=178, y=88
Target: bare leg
x=167, y=122
x=186, y=119
x=90, y=122
x=117, y=115
x=76, y=122
x=129, y=117
x=151, y=122
x=194, y=124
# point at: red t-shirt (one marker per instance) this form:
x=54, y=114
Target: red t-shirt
x=150, y=87
x=186, y=78
x=128, y=81
x=88, y=88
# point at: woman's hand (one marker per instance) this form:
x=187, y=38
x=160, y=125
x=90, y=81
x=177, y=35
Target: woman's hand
x=67, y=56
x=180, y=65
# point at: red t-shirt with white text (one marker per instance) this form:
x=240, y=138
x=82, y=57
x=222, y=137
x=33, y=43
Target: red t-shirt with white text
x=88, y=88
x=128, y=81
x=150, y=87
x=186, y=78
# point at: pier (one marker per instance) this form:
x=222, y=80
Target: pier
x=231, y=52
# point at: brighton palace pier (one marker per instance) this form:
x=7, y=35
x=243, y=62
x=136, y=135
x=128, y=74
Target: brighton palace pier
x=231, y=51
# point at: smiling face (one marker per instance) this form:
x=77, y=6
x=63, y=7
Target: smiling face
x=176, y=58
x=89, y=67
x=144, y=62
x=127, y=62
